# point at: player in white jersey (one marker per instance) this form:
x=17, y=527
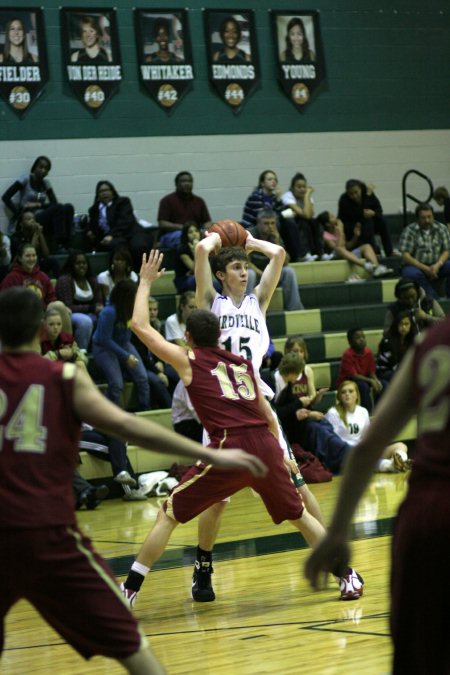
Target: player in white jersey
x=243, y=331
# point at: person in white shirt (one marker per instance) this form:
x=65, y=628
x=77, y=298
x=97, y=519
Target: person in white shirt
x=175, y=326
x=350, y=420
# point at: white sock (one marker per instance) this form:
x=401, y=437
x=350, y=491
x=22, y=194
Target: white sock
x=141, y=569
x=386, y=465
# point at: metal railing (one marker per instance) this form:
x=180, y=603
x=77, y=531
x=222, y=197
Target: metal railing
x=406, y=195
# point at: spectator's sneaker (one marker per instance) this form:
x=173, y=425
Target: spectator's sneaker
x=92, y=496
x=309, y=257
x=129, y=595
x=124, y=478
x=351, y=585
x=202, y=590
x=134, y=495
x=381, y=271
x=369, y=267
x=355, y=279
x=327, y=256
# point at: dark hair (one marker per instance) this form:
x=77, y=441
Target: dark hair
x=69, y=265
x=41, y=158
x=423, y=206
x=264, y=174
x=204, y=328
x=182, y=173
x=226, y=255
x=230, y=19
x=399, y=348
x=91, y=21
x=298, y=176
x=109, y=184
x=21, y=248
x=161, y=23
x=291, y=363
x=185, y=230
x=7, y=47
x=184, y=299
x=405, y=284
x=296, y=21
x=351, y=332
x=122, y=296
x=323, y=218
x=354, y=182
x=441, y=192
x=21, y=313
x=121, y=252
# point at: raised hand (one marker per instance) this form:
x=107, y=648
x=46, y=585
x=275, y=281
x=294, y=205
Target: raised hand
x=151, y=266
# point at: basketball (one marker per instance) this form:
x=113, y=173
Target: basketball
x=230, y=232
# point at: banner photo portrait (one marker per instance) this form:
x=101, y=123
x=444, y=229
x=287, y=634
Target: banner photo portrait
x=299, y=53
x=232, y=54
x=23, y=56
x=164, y=54
x=90, y=48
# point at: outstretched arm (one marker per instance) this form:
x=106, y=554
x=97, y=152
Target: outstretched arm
x=394, y=410
x=93, y=408
x=140, y=321
x=205, y=292
x=271, y=275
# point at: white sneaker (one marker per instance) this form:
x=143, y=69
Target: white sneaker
x=355, y=279
x=309, y=257
x=327, y=256
x=124, y=478
x=149, y=481
x=134, y=495
x=351, y=586
x=382, y=270
x=369, y=267
x=129, y=595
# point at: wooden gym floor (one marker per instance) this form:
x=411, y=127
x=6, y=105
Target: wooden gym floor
x=265, y=618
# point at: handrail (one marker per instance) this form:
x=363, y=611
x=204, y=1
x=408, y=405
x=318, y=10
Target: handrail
x=406, y=195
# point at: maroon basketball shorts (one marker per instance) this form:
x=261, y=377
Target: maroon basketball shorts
x=58, y=571
x=205, y=485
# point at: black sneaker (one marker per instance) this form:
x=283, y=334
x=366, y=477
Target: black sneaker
x=202, y=590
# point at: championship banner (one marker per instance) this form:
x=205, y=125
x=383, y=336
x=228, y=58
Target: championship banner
x=90, y=48
x=164, y=54
x=298, y=44
x=23, y=56
x=232, y=54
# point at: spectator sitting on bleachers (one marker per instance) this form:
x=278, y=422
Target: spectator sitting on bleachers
x=36, y=194
x=57, y=345
x=266, y=229
x=424, y=311
x=184, y=279
x=5, y=255
x=114, y=450
x=425, y=249
x=181, y=207
x=358, y=364
x=79, y=290
x=304, y=387
x=29, y=231
x=112, y=349
x=394, y=345
x=359, y=205
x=267, y=195
x=120, y=268
x=112, y=224
x=363, y=256
x=350, y=420
x=442, y=197
x=302, y=234
x=175, y=326
x=301, y=424
x=26, y=272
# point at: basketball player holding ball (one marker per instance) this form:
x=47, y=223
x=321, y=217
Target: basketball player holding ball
x=243, y=331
